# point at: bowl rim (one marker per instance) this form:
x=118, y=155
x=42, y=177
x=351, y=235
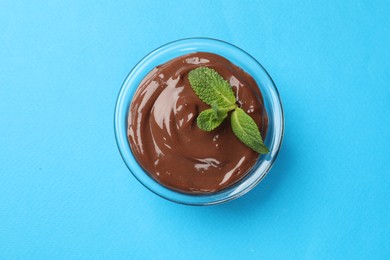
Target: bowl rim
x=246, y=189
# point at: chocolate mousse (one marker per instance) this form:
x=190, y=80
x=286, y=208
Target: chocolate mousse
x=164, y=136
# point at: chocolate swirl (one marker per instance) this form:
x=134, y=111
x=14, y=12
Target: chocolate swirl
x=165, y=139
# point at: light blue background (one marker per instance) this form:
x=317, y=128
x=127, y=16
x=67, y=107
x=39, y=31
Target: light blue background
x=65, y=192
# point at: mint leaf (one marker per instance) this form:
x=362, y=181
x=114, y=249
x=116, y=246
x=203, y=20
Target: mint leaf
x=245, y=128
x=211, y=88
x=209, y=119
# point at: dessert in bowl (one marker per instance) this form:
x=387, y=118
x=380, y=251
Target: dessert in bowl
x=159, y=134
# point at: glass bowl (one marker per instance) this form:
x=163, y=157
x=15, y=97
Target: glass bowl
x=238, y=57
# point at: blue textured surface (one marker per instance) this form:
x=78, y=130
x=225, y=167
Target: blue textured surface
x=65, y=192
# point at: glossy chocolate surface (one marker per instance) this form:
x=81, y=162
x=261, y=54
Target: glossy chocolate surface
x=164, y=136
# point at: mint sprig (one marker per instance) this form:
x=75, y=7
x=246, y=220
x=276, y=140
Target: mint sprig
x=215, y=91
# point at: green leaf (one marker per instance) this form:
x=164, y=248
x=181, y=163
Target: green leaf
x=208, y=120
x=245, y=128
x=211, y=88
